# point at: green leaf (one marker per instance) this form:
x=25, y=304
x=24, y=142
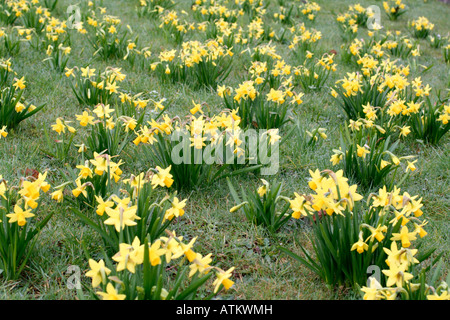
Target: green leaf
x=193, y=287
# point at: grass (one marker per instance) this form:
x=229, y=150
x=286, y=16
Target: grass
x=261, y=272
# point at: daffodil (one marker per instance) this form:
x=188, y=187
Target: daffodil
x=172, y=247
x=112, y=87
x=100, y=162
x=276, y=96
x=58, y=195
x=129, y=123
x=85, y=171
x=372, y=292
x=411, y=165
x=87, y=72
x=80, y=189
x=20, y=215
x=236, y=208
x=102, y=205
x=129, y=256
x=263, y=189
x=69, y=72
x=85, y=119
x=162, y=177
x=316, y=179
x=404, y=236
x=384, y=163
x=155, y=253
x=443, y=296
x=3, y=132
x=336, y=158
x=19, y=83
x=197, y=108
x=121, y=217
x=223, y=279
x=20, y=107
x=103, y=111
x=395, y=159
x=274, y=137
x=176, y=209
x=2, y=187
x=297, y=98
x=362, y=151
x=397, y=275
x=200, y=264
x=111, y=293
x=404, y=131
x=299, y=206
x=59, y=126
x=187, y=249
x=360, y=246
x=419, y=229
x=377, y=233
x=98, y=272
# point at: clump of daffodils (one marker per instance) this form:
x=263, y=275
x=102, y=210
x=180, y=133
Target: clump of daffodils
x=314, y=73
x=284, y=14
x=335, y=209
x=369, y=157
x=13, y=10
x=153, y=8
x=402, y=280
x=108, y=37
x=15, y=38
x=310, y=9
x=304, y=40
x=264, y=100
x=360, y=13
x=382, y=95
x=141, y=271
x=360, y=48
x=215, y=10
x=173, y=27
x=123, y=208
x=394, y=8
x=206, y=142
x=91, y=179
x=398, y=45
x=332, y=195
x=13, y=107
x=349, y=21
x=109, y=131
x=206, y=64
x=19, y=207
x=348, y=26
x=56, y=33
x=421, y=27
x=91, y=87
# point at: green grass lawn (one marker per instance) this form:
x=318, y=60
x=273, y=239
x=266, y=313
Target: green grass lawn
x=262, y=272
